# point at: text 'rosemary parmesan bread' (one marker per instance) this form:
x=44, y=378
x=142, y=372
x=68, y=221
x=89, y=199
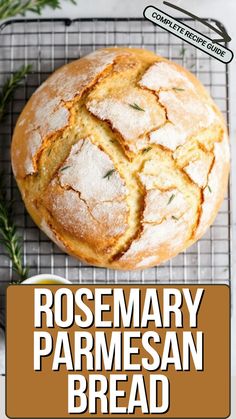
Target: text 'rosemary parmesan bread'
x=122, y=158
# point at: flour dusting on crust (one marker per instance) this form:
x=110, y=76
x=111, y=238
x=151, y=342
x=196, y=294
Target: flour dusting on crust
x=71, y=212
x=163, y=75
x=98, y=226
x=88, y=197
x=91, y=172
x=133, y=115
x=68, y=82
x=33, y=146
x=47, y=109
x=215, y=186
x=111, y=216
x=168, y=136
x=198, y=170
x=186, y=111
x=160, y=205
x=49, y=116
x=166, y=237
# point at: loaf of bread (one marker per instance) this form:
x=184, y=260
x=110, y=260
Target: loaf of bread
x=122, y=158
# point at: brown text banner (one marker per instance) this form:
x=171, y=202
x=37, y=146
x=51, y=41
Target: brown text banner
x=114, y=350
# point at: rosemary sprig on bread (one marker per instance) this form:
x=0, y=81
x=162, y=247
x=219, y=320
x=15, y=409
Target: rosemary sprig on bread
x=171, y=199
x=136, y=107
x=9, y=8
x=109, y=174
x=9, y=237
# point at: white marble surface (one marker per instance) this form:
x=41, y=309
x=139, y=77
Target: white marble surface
x=225, y=11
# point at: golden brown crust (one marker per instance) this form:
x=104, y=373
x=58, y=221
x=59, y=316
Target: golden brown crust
x=122, y=158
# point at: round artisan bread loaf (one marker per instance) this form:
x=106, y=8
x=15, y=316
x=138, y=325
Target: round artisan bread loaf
x=122, y=158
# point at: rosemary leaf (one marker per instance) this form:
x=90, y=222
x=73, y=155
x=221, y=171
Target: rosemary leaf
x=175, y=218
x=145, y=150
x=64, y=168
x=209, y=188
x=178, y=89
x=10, y=85
x=171, y=199
x=9, y=8
x=9, y=237
x=109, y=174
x=136, y=107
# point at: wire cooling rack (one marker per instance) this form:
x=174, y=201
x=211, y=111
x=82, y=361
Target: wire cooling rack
x=48, y=44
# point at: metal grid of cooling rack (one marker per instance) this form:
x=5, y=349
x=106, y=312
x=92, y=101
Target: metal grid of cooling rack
x=48, y=44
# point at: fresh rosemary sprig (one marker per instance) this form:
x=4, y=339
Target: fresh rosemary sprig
x=9, y=87
x=9, y=237
x=9, y=8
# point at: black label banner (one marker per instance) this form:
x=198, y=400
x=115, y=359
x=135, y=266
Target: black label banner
x=186, y=33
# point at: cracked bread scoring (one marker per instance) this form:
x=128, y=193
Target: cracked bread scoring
x=122, y=158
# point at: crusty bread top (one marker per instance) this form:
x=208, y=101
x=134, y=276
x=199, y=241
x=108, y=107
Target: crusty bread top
x=122, y=158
